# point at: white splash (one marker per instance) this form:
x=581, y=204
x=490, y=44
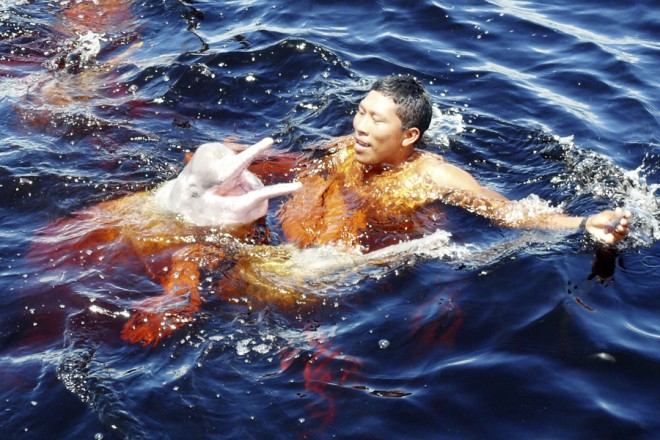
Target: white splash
x=597, y=176
x=443, y=125
x=5, y=5
x=89, y=46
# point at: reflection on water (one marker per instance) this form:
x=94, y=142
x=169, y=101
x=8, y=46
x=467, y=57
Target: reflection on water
x=534, y=332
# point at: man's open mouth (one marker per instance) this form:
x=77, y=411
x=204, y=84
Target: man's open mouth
x=361, y=144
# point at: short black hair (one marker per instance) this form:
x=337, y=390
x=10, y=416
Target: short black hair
x=413, y=102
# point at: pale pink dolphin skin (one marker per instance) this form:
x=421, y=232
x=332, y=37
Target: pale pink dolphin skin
x=215, y=188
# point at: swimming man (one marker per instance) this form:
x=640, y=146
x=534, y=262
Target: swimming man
x=374, y=187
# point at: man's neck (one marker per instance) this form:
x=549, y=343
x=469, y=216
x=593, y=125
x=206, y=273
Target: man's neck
x=387, y=166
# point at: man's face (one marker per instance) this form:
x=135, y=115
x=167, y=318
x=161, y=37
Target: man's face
x=379, y=139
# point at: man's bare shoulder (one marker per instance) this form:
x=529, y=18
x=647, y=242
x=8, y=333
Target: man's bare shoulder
x=445, y=176
x=434, y=167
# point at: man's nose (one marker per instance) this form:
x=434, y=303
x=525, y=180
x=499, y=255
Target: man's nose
x=360, y=124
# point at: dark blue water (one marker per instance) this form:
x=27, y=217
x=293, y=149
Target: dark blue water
x=502, y=334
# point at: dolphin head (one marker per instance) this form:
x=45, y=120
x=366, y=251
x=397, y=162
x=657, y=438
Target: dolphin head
x=215, y=188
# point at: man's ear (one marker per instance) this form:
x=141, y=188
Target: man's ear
x=410, y=136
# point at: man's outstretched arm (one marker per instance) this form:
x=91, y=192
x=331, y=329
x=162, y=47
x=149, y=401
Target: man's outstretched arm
x=458, y=187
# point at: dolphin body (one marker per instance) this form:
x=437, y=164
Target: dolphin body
x=216, y=189
x=188, y=224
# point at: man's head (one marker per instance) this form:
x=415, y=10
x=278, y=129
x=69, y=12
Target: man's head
x=390, y=120
x=413, y=101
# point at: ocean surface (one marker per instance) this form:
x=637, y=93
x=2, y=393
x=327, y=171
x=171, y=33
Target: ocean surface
x=498, y=334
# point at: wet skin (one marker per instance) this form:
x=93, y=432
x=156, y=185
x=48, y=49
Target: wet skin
x=381, y=143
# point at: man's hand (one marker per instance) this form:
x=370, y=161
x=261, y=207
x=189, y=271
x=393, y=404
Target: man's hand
x=609, y=226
